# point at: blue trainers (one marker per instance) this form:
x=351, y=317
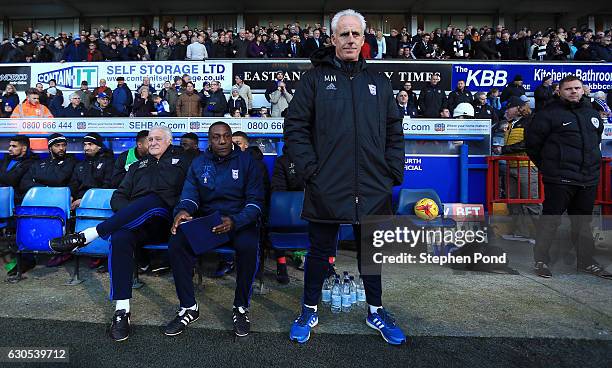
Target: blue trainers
x=384, y=323
x=300, y=330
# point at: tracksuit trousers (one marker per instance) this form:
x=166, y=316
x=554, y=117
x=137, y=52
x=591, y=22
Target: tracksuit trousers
x=182, y=260
x=144, y=221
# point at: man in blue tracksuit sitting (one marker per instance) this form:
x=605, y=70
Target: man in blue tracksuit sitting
x=227, y=180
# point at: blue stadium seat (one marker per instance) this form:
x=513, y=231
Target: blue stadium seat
x=7, y=203
x=95, y=208
x=409, y=197
x=42, y=216
x=287, y=230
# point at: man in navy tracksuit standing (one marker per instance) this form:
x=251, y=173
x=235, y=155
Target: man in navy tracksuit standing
x=227, y=180
x=143, y=214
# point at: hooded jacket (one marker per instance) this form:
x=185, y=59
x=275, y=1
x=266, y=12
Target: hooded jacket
x=563, y=141
x=344, y=133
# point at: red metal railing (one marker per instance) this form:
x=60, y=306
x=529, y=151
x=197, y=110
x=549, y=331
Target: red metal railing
x=604, y=188
x=494, y=179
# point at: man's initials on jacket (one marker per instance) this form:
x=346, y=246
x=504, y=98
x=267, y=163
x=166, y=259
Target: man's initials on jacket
x=330, y=78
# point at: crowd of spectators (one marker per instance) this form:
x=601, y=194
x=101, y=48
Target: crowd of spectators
x=295, y=41
x=176, y=98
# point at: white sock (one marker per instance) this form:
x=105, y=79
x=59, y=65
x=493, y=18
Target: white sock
x=311, y=307
x=374, y=309
x=123, y=304
x=91, y=234
x=193, y=307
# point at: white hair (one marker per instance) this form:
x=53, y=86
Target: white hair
x=165, y=129
x=347, y=13
x=599, y=95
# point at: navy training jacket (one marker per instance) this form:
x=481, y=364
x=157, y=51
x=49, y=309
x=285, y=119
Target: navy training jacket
x=232, y=185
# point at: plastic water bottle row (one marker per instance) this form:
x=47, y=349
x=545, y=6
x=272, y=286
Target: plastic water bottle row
x=342, y=296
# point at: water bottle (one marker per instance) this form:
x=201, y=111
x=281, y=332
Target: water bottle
x=326, y=292
x=346, y=297
x=353, y=288
x=361, y=296
x=336, y=298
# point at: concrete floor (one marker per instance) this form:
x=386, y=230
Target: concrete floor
x=427, y=300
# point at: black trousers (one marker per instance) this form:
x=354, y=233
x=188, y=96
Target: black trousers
x=323, y=242
x=182, y=259
x=578, y=201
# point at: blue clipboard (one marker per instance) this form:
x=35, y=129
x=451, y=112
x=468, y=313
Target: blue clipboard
x=199, y=233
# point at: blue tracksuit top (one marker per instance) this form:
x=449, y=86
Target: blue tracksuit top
x=232, y=185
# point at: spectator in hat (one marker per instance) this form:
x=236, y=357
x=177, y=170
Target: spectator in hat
x=75, y=51
x=243, y=90
x=94, y=172
x=55, y=101
x=236, y=102
x=513, y=89
x=85, y=94
x=122, y=97
x=543, y=94
x=75, y=109
x=31, y=107
x=54, y=171
x=103, y=108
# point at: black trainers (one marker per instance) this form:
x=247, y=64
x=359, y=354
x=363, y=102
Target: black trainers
x=181, y=321
x=242, y=325
x=67, y=243
x=596, y=270
x=541, y=269
x=281, y=273
x=120, y=327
